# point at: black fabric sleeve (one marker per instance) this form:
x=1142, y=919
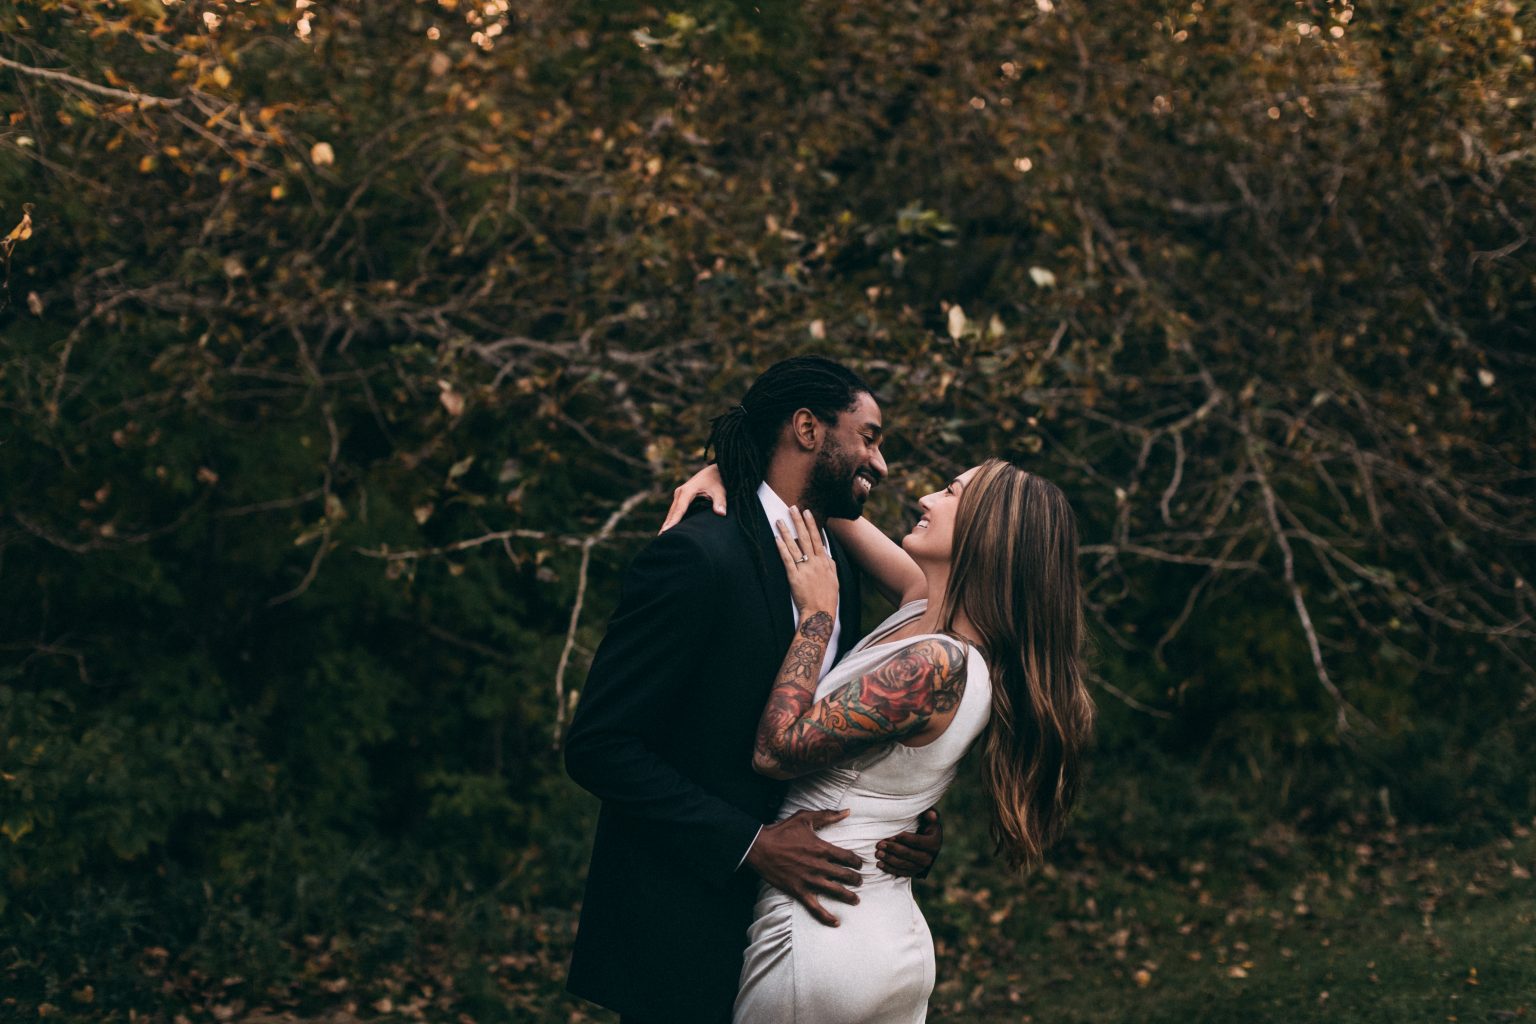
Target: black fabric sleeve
x=666, y=611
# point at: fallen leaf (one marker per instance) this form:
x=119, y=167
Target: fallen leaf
x=451, y=399
x=956, y=322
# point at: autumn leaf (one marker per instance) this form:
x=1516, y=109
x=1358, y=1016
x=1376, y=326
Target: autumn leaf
x=20, y=233
x=450, y=399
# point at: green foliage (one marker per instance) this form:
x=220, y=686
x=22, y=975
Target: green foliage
x=340, y=331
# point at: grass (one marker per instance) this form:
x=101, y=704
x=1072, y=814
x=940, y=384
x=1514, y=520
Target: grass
x=1188, y=908
x=1189, y=911
x=1347, y=927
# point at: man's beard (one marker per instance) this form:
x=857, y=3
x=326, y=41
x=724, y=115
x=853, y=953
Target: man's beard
x=830, y=490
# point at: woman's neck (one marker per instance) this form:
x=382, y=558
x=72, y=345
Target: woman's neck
x=938, y=586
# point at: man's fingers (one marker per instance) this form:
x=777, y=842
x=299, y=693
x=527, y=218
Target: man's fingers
x=836, y=854
x=812, y=904
x=847, y=858
x=846, y=877
x=821, y=819
x=918, y=842
x=896, y=862
x=837, y=892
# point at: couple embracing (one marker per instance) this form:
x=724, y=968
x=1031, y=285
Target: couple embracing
x=757, y=755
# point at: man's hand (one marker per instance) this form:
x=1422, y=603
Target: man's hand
x=911, y=854
x=790, y=857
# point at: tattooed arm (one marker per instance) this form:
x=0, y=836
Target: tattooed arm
x=895, y=699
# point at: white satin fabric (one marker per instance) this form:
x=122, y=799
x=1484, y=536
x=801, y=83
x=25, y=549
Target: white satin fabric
x=876, y=967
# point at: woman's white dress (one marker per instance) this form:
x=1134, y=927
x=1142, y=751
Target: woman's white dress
x=877, y=966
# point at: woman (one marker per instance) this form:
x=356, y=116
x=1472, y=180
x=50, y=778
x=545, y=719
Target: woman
x=986, y=644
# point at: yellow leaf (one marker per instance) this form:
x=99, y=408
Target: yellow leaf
x=21, y=232
x=222, y=77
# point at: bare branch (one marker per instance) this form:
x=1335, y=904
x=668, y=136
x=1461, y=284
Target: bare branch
x=587, y=545
x=142, y=99
x=1255, y=459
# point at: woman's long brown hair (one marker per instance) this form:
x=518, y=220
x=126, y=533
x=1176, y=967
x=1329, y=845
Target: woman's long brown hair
x=1014, y=575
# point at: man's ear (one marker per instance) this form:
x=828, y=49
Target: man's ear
x=806, y=430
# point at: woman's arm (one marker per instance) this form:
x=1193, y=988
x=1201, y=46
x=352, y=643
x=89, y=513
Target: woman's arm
x=896, y=698
x=882, y=559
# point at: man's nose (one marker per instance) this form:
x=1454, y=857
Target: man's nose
x=878, y=465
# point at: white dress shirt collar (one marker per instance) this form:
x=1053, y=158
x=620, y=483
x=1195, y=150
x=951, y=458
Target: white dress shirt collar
x=778, y=510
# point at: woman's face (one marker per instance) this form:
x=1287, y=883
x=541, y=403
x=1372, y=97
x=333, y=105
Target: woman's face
x=933, y=537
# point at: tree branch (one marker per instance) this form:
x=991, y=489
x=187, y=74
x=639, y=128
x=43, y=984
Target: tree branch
x=142, y=99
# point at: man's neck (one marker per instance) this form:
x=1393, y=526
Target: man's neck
x=789, y=485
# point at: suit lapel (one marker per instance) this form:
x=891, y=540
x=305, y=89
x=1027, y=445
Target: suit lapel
x=776, y=593
x=775, y=584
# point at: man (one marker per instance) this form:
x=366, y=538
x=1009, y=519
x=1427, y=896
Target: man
x=665, y=727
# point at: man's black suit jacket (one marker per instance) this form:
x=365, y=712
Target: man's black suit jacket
x=663, y=734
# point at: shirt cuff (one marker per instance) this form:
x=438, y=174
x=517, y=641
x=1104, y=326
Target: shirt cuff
x=749, y=847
